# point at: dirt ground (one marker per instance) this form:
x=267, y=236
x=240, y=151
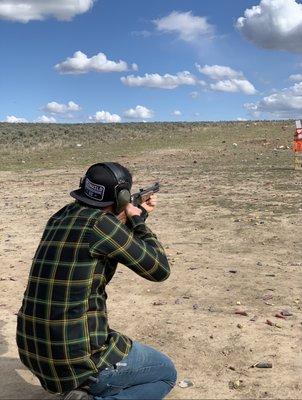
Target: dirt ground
x=232, y=231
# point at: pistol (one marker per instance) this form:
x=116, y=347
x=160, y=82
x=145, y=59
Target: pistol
x=144, y=194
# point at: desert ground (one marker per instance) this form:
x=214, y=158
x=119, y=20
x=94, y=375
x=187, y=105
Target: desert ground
x=229, y=217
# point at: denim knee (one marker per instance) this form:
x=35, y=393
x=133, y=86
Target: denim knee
x=170, y=374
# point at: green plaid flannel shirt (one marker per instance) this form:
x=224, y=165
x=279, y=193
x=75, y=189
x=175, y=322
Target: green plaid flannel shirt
x=63, y=335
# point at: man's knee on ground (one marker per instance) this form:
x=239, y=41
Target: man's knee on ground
x=169, y=372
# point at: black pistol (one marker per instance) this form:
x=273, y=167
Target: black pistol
x=144, y=194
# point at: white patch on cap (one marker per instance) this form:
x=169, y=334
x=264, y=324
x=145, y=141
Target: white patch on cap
x=93, y=190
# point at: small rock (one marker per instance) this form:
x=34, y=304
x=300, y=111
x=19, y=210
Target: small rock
x=158, y=303
x=235, y=384
x=286, y=313
x=241, y=312
x=255, y=317
x=239, y=326
x=195, y=306
x=263, y=364
x=233, y=271
x=267, y=297
x=259, y=264
x=279, y=316
x=185, y=383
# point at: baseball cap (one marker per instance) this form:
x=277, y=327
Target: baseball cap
x=99, y=185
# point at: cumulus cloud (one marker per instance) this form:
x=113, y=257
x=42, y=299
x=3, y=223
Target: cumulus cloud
x=177, y=113
x=56, y=108
x=166, y=81
x=295, y=77
x=105, y=116
x=234, y=85
x=15, y=120
x=79, y=63
x=29, y=10
x=139, y=112
x=286, y=103
x=46, y=120
x=227, y=79
x=187, y=26
x=219, y=71
x=273, y=24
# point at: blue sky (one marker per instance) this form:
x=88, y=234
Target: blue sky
x=224, y=61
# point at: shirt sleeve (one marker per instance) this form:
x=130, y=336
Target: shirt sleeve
x=136, y=247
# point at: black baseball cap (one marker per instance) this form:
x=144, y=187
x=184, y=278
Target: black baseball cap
x=99, y=185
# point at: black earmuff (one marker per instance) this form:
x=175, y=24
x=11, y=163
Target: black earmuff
x=122, y=192
x=123, y=198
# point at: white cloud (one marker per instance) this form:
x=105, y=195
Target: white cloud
x=105, y=116
x=177, y=113
x=219, y=71
x=286, y=103
x=166, y=81
x=29, y=10
x=56, y=108
x=240, y=119
x=79, y=63
x=273, y=24
x=194, y=95
x=143, y=33
x=72, y=106
x=15, y=120
x=295, y=77
x=234, y=85
x=139, y=112
x=46, y=120
x=235, y=80
x=187, y=26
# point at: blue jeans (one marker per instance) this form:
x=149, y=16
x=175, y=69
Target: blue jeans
x=144, y=374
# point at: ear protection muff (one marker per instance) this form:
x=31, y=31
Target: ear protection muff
x=122, y=190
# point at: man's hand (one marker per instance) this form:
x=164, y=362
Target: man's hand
x=122, y=217
x=150, y=204
x=131, y=210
